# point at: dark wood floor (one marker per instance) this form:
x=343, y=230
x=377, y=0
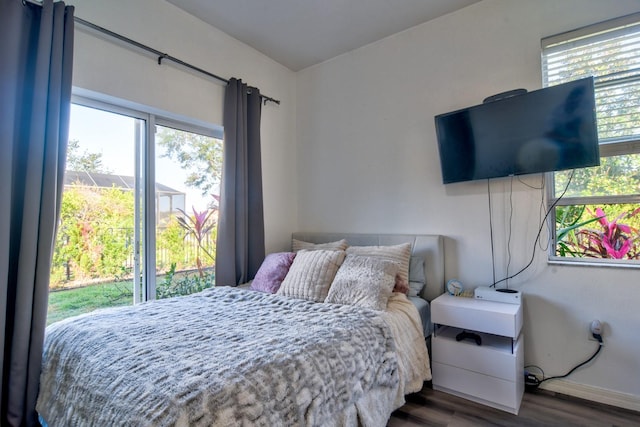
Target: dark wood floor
x=539, y=408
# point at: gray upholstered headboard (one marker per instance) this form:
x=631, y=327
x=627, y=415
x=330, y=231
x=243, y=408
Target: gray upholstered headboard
x=429, y=246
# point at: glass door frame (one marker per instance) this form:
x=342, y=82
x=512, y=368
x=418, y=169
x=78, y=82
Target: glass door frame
x=144, y=282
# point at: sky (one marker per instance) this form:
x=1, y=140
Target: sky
x=113, y=136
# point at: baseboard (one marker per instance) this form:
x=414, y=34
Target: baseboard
x=596, y=394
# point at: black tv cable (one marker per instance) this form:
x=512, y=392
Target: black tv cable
x=535, y=243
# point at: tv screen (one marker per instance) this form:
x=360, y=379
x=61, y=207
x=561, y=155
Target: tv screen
x=540, y=131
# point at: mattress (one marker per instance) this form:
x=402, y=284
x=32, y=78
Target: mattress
x=424, y=309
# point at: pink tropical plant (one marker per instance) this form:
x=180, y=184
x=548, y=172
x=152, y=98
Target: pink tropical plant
x=199, y=225
x=614, y=240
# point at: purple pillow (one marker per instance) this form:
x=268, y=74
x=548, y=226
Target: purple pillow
x=272, y=272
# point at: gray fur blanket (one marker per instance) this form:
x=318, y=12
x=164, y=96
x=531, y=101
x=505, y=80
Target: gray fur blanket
x=223, y=357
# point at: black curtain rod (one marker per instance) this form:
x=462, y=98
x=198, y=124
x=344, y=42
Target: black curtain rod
x=159, y=54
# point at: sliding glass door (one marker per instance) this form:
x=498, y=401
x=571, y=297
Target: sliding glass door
x=95, y=261
x=188, y=166
x=139, y=210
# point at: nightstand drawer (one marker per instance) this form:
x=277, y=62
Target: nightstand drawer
x=491, y=391
x=496, y=357
x=477, y=315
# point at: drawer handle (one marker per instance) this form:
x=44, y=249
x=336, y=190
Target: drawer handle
x=464, y=335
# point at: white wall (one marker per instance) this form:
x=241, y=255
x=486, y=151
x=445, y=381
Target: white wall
x=102, y=66
x=368, y=162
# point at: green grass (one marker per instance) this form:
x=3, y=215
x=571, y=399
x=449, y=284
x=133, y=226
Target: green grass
x=75, y=301
x=72, y=302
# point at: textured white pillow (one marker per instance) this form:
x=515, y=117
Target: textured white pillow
x=298, y=245
x=397, y=253
x=364, y=281
x=311, y=274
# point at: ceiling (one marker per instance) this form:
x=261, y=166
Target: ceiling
x=301, y=33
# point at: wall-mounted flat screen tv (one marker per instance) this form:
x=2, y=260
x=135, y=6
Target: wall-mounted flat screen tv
x=545, y=130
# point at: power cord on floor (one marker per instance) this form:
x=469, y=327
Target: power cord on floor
x=532, y=382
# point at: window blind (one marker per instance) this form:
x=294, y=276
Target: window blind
x=610, y=52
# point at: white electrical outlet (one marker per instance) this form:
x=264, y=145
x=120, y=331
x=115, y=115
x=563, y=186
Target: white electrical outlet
x=595, y=327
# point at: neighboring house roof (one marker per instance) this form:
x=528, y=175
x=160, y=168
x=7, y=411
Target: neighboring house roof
x=105, y=180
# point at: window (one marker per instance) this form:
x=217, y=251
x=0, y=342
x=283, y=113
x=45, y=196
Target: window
x=596, y=211
x=139, y=209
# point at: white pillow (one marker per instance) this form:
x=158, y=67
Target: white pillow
x=298, y=245
x=311, y=274
x=397, y=253
x=364, y=281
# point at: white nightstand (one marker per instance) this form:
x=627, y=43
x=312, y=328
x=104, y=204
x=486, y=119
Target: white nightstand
x=491, y=373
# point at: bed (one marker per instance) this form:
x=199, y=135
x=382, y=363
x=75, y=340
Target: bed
x=229, y=356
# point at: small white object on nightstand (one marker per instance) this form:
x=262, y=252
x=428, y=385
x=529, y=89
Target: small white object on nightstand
x=491, y=373
x=509, y=296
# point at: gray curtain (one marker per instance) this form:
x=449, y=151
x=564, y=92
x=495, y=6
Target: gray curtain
x=36, y=48
x=240, y=245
